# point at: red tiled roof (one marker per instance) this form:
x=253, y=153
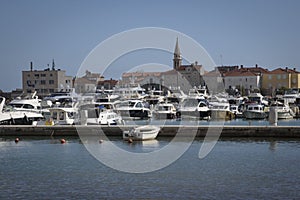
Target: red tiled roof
x=239, y=73
x=283, y=71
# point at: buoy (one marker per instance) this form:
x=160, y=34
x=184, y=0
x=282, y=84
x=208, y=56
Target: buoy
x=130, y=140
x=63, y=141
x=17, y=140
x=101, y=141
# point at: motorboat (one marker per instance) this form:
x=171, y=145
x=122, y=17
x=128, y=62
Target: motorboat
x=165, y=111
x=283, y=110
x=291, y=95
x=194, y=108
x=29, y=103
x=106, y=96
x=155, y=97
x=220, y=111
x=236, y=110
x=147, y=132
x=136, y=109
x=96, y=113
x=10, y=116
x=258, y=99
x=255, y=111
x=63, y=115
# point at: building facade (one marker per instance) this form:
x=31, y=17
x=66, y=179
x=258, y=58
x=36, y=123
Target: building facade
x=46, y=81
x=280, y=78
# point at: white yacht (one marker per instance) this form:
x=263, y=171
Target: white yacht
x=133, y=109
x=194, y=108
x=283, y=110
x=220, y=111
x=17, y=117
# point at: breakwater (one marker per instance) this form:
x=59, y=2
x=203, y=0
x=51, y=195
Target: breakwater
x=166, y=130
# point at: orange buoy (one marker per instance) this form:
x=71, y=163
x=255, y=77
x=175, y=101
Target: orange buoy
x=63, y=141
x=17, y=140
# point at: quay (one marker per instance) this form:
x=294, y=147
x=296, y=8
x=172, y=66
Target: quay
x=166, y=130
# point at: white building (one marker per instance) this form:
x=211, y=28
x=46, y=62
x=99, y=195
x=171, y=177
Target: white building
x=242, y=78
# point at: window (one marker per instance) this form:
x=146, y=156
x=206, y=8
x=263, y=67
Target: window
x=43, y=82
x=28, y=106
x=61, y=115
x=278, y=76
x=51, y=74
x=283, y=76
x=43, y=75
x=246, y=79
x=37, y=75
x=51, y=90
x=54, y=115
x=44, y=90
x=51, y=82
x=28, y=75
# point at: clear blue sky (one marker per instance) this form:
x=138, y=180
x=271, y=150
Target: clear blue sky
x=264, y=32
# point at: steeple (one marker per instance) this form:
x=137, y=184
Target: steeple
x=177, y=57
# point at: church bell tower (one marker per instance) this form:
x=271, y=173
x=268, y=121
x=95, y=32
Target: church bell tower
x=177, y=57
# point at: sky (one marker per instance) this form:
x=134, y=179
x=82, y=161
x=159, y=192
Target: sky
x=233, y=32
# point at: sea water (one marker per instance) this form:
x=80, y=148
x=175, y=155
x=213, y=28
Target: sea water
x=43, y=168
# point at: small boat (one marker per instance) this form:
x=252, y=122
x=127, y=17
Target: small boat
x=147, y=132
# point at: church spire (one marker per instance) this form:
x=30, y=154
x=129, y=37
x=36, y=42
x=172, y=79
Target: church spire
x=177, y=50
x=177, y=56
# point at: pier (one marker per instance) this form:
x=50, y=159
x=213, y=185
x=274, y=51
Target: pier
x=166, y=131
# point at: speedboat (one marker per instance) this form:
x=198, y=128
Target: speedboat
x=147, y=132
x=255, y=111
x=165, y=111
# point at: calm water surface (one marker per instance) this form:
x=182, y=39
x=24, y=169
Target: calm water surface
x=39, y=168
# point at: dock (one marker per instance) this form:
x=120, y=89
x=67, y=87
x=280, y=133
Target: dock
x=166, y=130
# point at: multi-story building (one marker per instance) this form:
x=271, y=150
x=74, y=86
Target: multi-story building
x=280, y=78
x=46, y=81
